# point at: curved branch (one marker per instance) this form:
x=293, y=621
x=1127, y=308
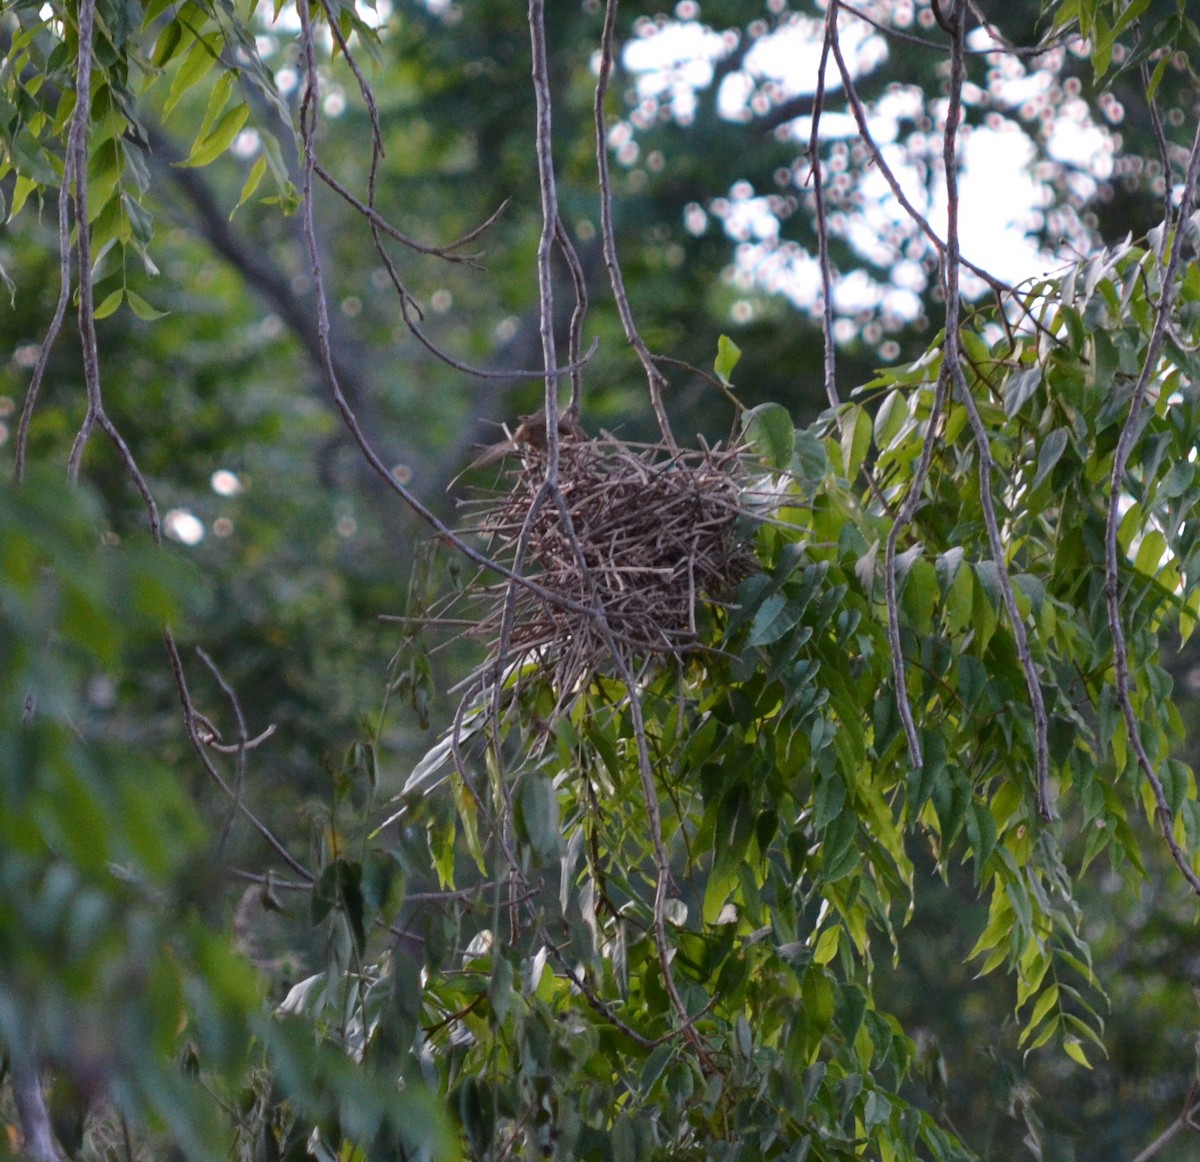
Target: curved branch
x=655, y=378
x=1171, y=237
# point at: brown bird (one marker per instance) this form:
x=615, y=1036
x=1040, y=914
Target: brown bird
x=530, y=433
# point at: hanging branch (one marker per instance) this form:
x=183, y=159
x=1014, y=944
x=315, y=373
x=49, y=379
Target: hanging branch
x=999, y=287
x=952, y=358
x=75, y=183
x=908, y=510
x=1172, y=239
x=655, y=378
x=541, y=82
x=200, y=733
x=814, y=162
x=309, y=116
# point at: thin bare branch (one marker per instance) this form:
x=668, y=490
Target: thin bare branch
x=55, y=328
x=655, y=378
x=76, y=166
x=369, y=212
x=575, y=333
x=308, y=127
x=1188, y=1119
x=1173, y=240
x=953, y=358
x=39, y=1143
x=192, y=721
x=904, y=517
x=239, y=748
x=818, y=182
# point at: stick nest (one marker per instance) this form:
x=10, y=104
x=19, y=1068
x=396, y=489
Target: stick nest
x=655, y=534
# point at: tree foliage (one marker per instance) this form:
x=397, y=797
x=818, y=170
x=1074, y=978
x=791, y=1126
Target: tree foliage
x=649, y=911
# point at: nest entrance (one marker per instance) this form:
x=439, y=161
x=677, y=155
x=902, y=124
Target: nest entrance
x=656, y=534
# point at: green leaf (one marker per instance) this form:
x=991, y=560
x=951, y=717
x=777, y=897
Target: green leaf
x=537, y=814
x=167, y=44
x=1020, y=388
x=1150, y=553
x=109, y=303
x=1074, y=1050
x=728, y=354
x=500, y=988
x=1049, y=454
x=890, y=418
x=218, y=139
x=143, y=309
x=769, y=431
x=251, y=184
x=773, y=619
x=856, y=439
x=197, y=61
x=809, y=462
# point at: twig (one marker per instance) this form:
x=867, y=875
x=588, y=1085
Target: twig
x=654, y=377
x=76, y=167
x=983, y=448
x=308, y=124
x=814, y=161
x=1185, y=1121
x=1125, y=444
x=880, y=162
x=575, y=332
x=908, y=509
x=39, y=1144
x=55, y=328
x=589, y=995
x=239, y=748
x=191, y=720
x=368, y=211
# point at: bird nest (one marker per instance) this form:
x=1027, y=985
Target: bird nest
x=655, y=537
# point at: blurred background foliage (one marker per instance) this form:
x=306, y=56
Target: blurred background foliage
x=285, y=550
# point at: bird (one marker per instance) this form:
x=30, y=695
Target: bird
x=530, y=433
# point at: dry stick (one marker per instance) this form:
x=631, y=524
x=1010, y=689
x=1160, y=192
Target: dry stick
x=373, y=215
x=986, y=463
x=814, y=162
x=191, y=717
x=541, y=83
x=654, y=377
x=1125, y=443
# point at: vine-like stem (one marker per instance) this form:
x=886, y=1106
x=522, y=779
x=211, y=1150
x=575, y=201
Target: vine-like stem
x=74, y=190
x=952, y=357
x=193, y=720
x=1172, y=242
x=654, y=377
x=309, y=106
x=818, y=180
x=904, y=517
